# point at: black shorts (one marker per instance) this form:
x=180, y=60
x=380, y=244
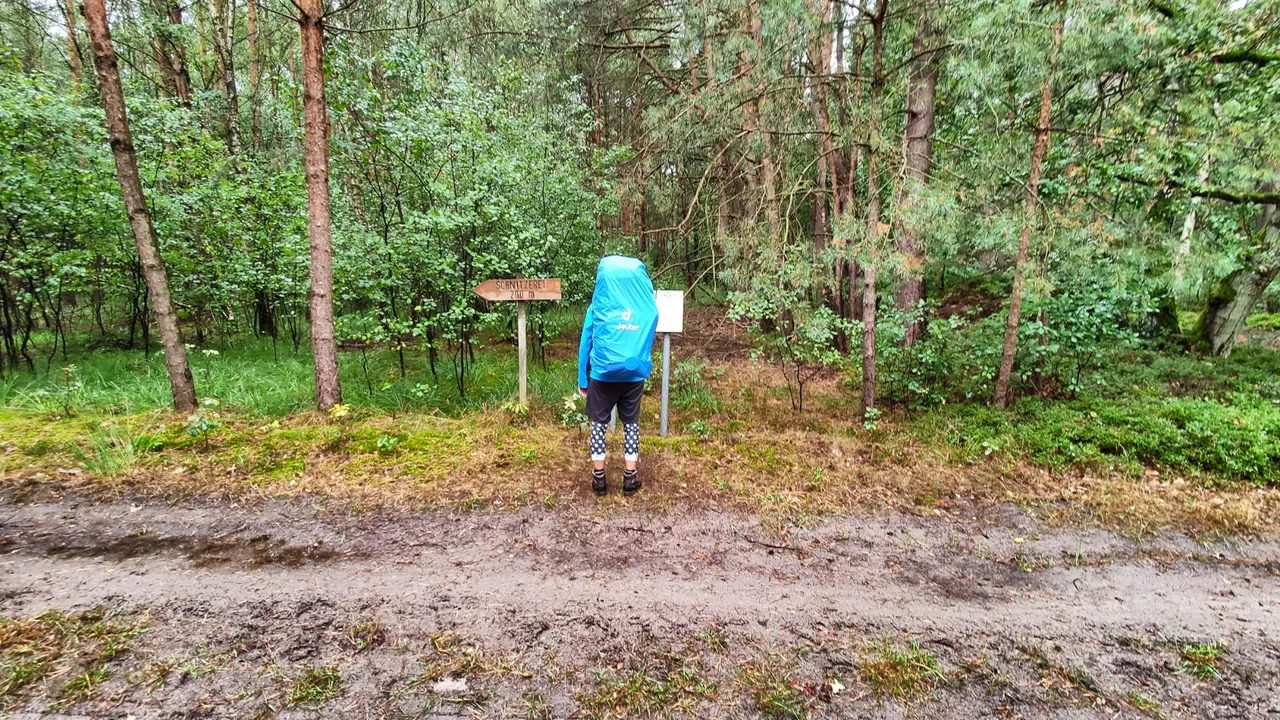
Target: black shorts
x=602, y=396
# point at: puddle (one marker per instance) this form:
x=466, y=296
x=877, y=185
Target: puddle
x=205, y=552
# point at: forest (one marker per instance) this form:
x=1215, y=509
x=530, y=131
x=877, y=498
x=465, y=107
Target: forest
x=965, y=212
x=975, y=412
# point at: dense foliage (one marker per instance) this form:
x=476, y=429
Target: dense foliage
x=771, y=157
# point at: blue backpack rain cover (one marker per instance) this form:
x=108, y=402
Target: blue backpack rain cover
x=617, y=335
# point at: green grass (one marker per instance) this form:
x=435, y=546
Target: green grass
x=248, y=375
x=907, y=674
x=54, y=644
x=1144, y=704
x=316, y=686
x=1215, y=417
x=774, y=688
x=82, y=686
x=1135, y=408
x=658, y=686
x=1203, y=660
x=1264, y=321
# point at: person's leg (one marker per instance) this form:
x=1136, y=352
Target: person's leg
x=599, y=406
x=629, y=414
x=597, y=448
x=631, y=444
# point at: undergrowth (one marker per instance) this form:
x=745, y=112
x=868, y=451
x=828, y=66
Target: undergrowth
x=1198, y=433
x=1212, y=417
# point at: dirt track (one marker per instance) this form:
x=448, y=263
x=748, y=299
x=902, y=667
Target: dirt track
x=1025, y=622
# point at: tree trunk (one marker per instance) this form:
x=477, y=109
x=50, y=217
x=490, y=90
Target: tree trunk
x=722, y=194
x=1033, y=196
x=1183, y=251
x=1238, y=293
x=224, y=25
x=73, y=48
x=755, y=127
x=175, y=353
x=171, y=56
x=198, y=11
x=32, y=35
x=255, y=71
x=820, y=55
x=873, y=214
x=316, y=154
x=178, y=56
x=845, y=205
x=922, y=95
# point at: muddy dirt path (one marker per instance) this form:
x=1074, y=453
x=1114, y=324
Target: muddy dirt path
x=1023, y=621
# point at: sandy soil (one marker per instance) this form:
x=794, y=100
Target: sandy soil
x=562, y=605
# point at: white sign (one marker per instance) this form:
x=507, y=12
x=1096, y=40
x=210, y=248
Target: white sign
x=670, y=310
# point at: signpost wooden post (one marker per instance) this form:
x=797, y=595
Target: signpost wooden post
x=520, y=290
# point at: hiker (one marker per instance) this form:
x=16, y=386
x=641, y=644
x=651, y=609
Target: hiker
x=614, y=361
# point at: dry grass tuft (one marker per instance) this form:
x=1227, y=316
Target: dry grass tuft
x=65, y=653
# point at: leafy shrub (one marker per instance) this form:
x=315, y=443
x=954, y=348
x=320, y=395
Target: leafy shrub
x=953, y=362
x=690, y=390
x=1065, y=343
x=700, y=428
x=774, y=292
x=201, y=424
x=1264, y=321
x=573, y=411
x=1237, y=443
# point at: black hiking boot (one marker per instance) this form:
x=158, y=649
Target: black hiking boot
x=598, y=484
x=630, y=482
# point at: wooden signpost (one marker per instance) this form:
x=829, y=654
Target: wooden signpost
x=520, y=290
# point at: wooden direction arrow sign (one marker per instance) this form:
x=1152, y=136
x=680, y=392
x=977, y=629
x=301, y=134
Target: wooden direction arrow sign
x=519, y=289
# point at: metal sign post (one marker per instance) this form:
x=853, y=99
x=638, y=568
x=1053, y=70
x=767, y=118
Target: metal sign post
x=520, y=290
x=666, y=379
x=670, y=319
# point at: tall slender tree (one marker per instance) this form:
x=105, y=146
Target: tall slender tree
x=324, y=346
x=172, y=51
x=175, y=353
x=73, y=48
x=922, y=96
x=224, y=26
x=820, y=57
x=874, y=226
x=1038, y=151
x=255, y=71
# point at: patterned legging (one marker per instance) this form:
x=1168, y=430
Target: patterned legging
x=630, y=441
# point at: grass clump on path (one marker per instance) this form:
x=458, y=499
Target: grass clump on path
x=907, y=674
x=659, y=686
x=316, y=686
x=1203, y=660
x=774, y=688
x=42, y=649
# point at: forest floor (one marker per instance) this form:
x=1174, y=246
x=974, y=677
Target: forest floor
x=400, y=563
x=229, y=609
